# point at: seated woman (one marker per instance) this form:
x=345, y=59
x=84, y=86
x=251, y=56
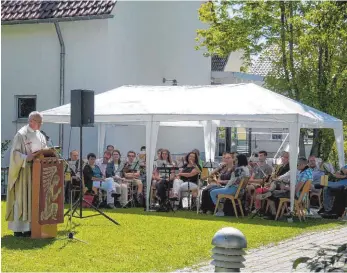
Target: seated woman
x=240, y=172
x=162, y=179
x=113, y=170
x=164, y=158
x=225, y=171
x=201, y=163
x=188, y=177
x=93, y=178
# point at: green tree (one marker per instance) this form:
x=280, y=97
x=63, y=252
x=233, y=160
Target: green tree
x=306, y=42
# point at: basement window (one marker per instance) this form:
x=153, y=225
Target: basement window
x=25, y=105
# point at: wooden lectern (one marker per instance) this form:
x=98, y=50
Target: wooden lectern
x=47, y=205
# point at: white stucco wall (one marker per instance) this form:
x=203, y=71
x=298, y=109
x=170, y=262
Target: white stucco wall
x=30, y=66
x=227, y=77
x=234, y=62
x=142, y=44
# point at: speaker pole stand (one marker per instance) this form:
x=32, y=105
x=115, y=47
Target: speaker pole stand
x=81, y=170
x=81, y=199
x=81, y=97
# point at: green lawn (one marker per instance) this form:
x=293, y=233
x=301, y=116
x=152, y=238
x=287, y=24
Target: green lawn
x=143, y=242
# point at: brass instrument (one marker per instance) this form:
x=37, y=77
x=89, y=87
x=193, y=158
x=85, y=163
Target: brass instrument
x=197, y=168
x=270, y=179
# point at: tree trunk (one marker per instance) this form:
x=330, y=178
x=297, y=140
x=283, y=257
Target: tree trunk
x=227, y=139
x=316, y=143
x=283, y=47
x=302, y=151
x=297, y=94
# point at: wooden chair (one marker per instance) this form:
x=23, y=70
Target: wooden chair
x=242, y=187
x=298, y=203
x=318, y=193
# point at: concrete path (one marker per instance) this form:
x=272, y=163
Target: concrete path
x=280, y=257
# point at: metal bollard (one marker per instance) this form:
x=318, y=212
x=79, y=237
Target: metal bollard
x=228, y=252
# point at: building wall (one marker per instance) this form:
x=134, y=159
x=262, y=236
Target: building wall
x=144, y=43
x=226, y=77
x=30, y=66
x=235, y=62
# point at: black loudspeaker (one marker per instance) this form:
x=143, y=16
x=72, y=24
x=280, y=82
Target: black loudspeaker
x=82, y=108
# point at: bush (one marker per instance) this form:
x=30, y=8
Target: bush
x=326, y=260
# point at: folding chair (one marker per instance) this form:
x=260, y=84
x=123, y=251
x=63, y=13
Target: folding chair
x=241, y=189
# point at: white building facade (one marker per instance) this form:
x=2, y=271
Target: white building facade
x=137, y=43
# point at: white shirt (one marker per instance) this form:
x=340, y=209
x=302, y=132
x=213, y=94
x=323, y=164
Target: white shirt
x=35, y=140
x=102, y=165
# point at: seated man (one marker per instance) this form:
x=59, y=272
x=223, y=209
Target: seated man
x=328, y=200
x=72, y=168
x=261, y=172
x=131, y=173
x=279, y=178
x=304, y=174
x=317, y=173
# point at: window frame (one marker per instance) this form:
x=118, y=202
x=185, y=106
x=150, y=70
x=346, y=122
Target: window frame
x=278, y=133
x=16, y=101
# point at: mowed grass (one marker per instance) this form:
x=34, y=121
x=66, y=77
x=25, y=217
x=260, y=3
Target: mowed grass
x=145, y=241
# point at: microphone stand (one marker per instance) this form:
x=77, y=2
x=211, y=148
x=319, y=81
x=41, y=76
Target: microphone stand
x=131, y=201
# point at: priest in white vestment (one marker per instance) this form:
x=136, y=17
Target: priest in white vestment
x=27, y=141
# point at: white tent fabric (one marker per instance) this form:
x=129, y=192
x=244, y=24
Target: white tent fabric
x=237, y=105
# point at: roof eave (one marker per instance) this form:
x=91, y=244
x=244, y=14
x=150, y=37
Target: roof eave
x=53, y=20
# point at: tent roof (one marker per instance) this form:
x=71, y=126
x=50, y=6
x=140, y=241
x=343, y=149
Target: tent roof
x=233, y=102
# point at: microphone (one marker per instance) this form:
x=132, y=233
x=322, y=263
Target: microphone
x=49, y=141
x=45, y=135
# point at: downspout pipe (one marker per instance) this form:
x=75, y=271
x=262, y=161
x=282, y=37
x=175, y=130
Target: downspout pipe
x=61, y=79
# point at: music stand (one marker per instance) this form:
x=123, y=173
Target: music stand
x=210, y=165
x=167, y=172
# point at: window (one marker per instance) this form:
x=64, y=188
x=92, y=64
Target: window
x=276, y=136
x=25, y=105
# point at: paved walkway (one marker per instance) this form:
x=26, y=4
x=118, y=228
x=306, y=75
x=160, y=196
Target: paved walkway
x=280, y=257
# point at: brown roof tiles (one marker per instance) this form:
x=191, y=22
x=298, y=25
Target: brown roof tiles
x=27, y=10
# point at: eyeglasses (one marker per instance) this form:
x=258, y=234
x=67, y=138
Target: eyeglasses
x=131, y=156
x=38, y=122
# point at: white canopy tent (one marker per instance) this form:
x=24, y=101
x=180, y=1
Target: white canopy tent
x=235, y=105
